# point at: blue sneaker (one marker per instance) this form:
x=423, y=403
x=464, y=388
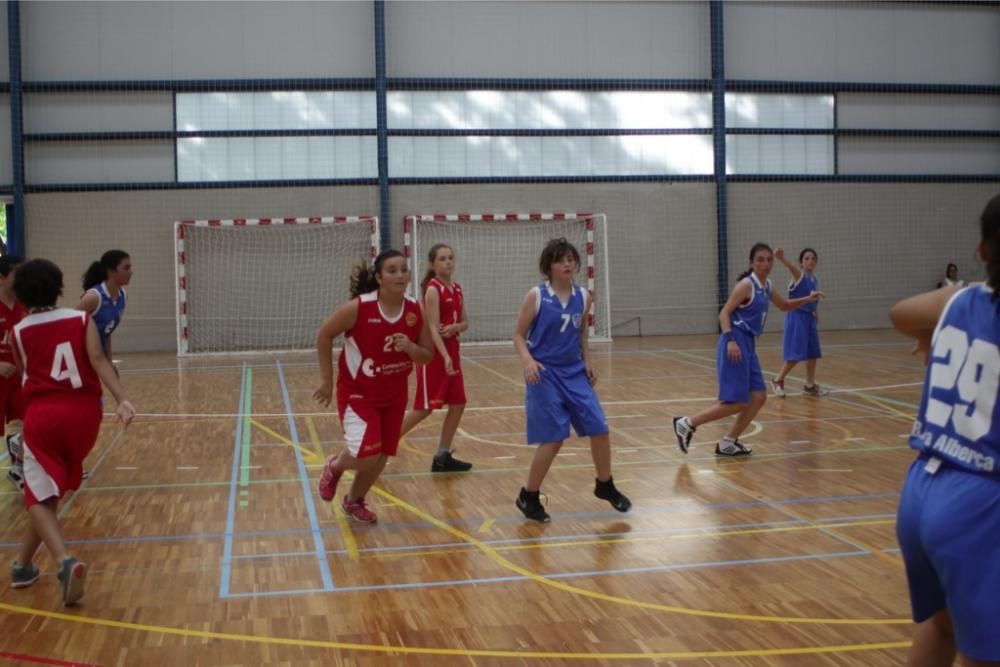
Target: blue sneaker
x=22, y=577
x=72, y=576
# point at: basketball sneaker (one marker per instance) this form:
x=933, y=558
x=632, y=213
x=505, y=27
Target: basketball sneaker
x=530, y=504
x=726, y=447
x=815, y=390
x=684, y=432
x=448, y=463
x=778, y=388
x=607, y=491
x=72, y=575
x=328, y=480
x=22, y=577
x=16, y=476
x=358, y=510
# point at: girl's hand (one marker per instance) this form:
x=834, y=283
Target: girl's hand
x=816, y=296
x=401, y=342
x=324, y=394
x=448, y=330
x=124, y=413
x=592, y=376
x=449, y=366
x=779, y=254
x=733, y=352
x=7, y=369
x=532, y=370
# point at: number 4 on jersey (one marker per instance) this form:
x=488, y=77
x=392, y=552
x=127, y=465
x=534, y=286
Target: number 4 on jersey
x=64, y=365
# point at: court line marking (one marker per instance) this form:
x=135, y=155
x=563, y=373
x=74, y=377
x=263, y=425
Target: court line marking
x=307, y=455
x=496, y=557
x=225, y=571
x=415, y=650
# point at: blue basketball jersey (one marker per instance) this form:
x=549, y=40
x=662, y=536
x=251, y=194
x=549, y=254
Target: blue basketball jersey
x=554, y=336
x=959, y=417
x=750, y=316
x=804, y=287
x=109, y=312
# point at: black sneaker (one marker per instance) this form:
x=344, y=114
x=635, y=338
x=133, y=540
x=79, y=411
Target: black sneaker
x=530, y=504
x=448, y=463
x=607, y=491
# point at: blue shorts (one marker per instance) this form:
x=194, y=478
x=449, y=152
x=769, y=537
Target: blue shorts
x=948, y=526
x=801, y=341
x=559, y=399
x=737, y=380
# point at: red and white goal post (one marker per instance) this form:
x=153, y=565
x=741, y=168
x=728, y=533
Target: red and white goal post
x=496, y=262
x=264, y=284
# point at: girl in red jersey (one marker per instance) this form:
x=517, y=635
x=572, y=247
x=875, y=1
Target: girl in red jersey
x=440, y=382
x=384, y=333
x=63, y=365
x=11, y=312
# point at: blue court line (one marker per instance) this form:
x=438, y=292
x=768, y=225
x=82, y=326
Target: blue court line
x=317, y=531
x=571, y=575
x=227, y=551
x=383, y=527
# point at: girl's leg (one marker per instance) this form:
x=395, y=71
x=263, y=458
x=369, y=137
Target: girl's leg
x=714, y=413
x=366, y=476
x=786, y=368
x=449, y=427
x=933, y=642
x=44, y=528
x=749, y=411
x=412, y=418
x=545, y=454
x=810, y=372
x=600, y=451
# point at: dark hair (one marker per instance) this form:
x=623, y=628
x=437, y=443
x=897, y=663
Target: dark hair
x=990, y=229
x=757, y=247
x=951, y=266
x=38, y=283
x=804, y=251
x=7, y=264
x=554, y=251
x=363, y=275
x=431, y=256
x=97, y=272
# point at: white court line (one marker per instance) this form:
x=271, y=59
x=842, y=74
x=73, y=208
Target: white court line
x=126, y=468
x=853, y=439
x=501, y=458
x=799, y=442
x=187, y=467
x=626, y=451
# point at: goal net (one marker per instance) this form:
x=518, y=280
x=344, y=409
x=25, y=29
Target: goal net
x=496, y=262
x=259, y=285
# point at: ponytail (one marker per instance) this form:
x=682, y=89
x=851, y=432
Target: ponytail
x=97, y=272
x=363, y=275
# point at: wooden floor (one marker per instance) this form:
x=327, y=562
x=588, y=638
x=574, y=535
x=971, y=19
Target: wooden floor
x=209, y=546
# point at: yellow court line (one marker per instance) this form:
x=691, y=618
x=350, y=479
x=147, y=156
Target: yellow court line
x=486, y=525
x=350, y=544
x=415, y=650
x=903, y=416
x=500, y=375
x=314, y=437
x=404, y=445
x=609, y=541
x=595, y=595
x=307, y=455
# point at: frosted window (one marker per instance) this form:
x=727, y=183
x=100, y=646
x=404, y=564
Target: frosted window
x=276, y=158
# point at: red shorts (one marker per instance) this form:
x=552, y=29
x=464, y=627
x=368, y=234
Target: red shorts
x=11, y=406
x=58, y=435
x=371, y=428
x=435, y=388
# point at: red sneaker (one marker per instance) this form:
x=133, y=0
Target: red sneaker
x=358, y=510
x=328, y=480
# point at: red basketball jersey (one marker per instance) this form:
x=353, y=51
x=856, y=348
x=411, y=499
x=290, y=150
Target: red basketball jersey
x=53, y=349
x=370, y=365
x=450, y=304
x=9, y=316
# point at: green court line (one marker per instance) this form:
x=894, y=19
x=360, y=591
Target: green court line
x=245, y=444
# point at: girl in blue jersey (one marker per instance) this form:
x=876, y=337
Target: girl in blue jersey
x=949, y=511
x=742, y=391
x=801, y=338
x=551, y=339
x=104, y=294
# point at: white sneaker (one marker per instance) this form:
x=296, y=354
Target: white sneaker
x=684, y=431
x=732, y=448
x=778, y=388
x=815, y=390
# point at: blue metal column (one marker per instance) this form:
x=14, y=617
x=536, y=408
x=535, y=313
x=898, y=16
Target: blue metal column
x=382, y=133
x=719, y=145
x=15, y=223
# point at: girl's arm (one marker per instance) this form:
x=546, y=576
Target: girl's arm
x=525, y=317
x=432, y=317
x=340, y=320
x=89, y=302
x=585, y=338
x=109, y=376
x=917, y=316
x=421, y=351
x=791, y=304
x=792, y=268
x=741, y=293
